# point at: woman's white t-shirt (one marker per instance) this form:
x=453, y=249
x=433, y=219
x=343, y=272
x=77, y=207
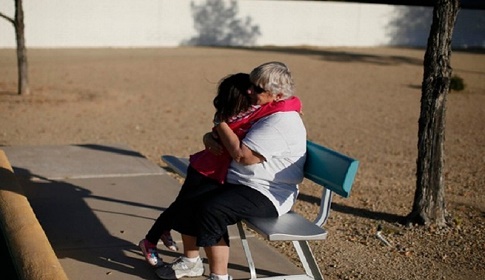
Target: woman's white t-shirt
x=281, y=139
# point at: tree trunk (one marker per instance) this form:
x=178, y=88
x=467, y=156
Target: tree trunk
x=429, y=202
x=22, y=66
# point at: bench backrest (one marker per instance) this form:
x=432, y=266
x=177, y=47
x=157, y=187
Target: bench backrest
x=334, y=171
x=331, y=169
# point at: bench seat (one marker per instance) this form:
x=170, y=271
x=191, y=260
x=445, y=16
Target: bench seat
x=289, y=227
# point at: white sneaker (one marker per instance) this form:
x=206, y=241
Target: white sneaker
x=180, y=268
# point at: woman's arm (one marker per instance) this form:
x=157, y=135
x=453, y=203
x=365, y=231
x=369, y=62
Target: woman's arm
x=238, y=151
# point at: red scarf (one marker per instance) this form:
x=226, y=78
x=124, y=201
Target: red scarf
x=216, y=167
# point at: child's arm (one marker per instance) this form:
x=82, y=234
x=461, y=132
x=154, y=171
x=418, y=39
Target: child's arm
x=238, y=151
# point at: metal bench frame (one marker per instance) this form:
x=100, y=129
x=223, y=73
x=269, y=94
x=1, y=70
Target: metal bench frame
x=334, y=172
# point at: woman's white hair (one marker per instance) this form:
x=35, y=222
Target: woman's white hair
x=274, y=77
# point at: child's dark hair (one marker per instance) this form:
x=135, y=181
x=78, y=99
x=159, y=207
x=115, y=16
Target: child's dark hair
x=232, y=96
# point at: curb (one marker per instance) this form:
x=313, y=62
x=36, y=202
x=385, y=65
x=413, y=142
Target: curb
x=30, y=250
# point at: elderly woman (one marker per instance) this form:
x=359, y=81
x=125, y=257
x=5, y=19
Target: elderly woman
x=262, y=179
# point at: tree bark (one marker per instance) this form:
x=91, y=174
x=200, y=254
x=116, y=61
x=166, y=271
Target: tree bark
x=429, y=202
x=22, y=66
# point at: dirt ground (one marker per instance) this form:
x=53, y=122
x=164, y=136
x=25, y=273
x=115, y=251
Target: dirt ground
x=364, y=102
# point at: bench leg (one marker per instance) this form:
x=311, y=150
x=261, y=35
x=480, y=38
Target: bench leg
x=247, y=252
x=302, y=248
x=307, y=259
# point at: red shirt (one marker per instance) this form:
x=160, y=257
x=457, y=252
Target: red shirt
x=215, y=166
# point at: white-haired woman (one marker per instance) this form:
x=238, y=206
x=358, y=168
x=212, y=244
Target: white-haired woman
x=262, y=180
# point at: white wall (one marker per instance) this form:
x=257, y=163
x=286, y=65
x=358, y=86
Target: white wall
x=169, y=23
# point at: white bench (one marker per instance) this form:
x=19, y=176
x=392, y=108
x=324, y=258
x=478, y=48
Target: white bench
x=333, y=171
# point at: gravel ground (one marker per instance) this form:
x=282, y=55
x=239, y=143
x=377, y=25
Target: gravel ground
x=361, y=101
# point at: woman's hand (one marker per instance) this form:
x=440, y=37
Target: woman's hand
x=212, y=144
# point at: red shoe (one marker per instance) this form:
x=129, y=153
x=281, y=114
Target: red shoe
x=150, y=253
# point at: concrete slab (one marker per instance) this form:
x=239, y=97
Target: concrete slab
x=78, y=161
x=94, y=221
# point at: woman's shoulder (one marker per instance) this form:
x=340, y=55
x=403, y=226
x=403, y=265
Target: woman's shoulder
x=284, y=116
x=281, y=120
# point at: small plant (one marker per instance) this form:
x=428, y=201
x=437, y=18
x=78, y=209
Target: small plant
x=457, y=83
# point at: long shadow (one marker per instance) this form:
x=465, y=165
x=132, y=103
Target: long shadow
x=338, y=56
x=76, y=232
x=354, y=211
x=111, y=149
x=368, y=214
x=354, y=57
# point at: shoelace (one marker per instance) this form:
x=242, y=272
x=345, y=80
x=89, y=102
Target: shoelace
x=180, y=264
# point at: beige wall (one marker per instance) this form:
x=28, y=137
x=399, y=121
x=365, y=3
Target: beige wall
x=169, y=23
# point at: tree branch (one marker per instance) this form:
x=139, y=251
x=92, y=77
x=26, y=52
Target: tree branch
x=7, y=18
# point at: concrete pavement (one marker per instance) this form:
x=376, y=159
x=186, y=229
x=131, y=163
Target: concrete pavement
x=95, y=202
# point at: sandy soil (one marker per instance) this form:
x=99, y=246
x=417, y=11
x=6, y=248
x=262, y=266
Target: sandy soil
x=364, y=102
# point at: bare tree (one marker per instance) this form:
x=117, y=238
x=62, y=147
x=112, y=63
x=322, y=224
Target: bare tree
x=22, y=66
x=429, y=202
